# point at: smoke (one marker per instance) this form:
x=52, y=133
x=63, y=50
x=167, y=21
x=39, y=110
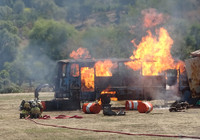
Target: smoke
x=39, y=67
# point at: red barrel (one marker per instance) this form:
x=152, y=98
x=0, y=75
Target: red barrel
x=145, y=107
x=132, y=105
x=91, y=108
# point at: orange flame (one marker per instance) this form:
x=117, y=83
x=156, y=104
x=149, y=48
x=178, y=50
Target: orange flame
x=153, y=54
x=152, y=18
x=87, y=79
x=180, y=65
x=103, y=68
x=81, y=53
x=107, y=91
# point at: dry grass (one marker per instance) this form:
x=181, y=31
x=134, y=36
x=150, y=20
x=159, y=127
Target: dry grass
x=159, y=121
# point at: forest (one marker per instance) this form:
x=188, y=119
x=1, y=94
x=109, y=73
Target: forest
x=34, y=34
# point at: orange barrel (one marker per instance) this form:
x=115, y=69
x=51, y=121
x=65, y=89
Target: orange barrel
x=91, y=108
x=145, y=107
x=43, y=105
x=131, y=105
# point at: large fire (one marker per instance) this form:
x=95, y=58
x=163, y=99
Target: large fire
x=103, y=68
x=87, y=79
x=153, y=54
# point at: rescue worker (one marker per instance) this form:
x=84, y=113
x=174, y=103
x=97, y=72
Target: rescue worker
x=25, y=108
x=35, y=110
x=39, y=104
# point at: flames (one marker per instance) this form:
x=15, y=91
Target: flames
x=152, y=54
x=87, y=79
x=103, y=68
x=80, y=53
x=112, y=94
x=152, y=18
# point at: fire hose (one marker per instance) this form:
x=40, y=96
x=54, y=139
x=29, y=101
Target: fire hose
x=106, y=131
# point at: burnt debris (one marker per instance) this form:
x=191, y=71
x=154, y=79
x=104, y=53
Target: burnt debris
x=179, y=106
x=106, y=106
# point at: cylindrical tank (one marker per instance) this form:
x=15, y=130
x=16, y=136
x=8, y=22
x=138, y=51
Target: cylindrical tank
x=132, y=105
x=145, y=107
x=91, y=108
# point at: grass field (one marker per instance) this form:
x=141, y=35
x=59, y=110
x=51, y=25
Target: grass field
x=159, y=121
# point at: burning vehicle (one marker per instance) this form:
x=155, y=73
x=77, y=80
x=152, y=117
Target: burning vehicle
x=149, y=73
x=105, y=80
x=90, y=79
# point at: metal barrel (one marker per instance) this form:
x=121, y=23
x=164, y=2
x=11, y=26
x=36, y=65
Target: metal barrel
x=91, y=108
x=145, y=107
x=132, y=104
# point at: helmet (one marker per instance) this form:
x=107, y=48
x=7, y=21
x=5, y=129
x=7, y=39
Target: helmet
x=38, y=101
x=34, y=104
x=26, y=105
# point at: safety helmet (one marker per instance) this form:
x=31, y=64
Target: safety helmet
x=26, y=105
x=33, y=103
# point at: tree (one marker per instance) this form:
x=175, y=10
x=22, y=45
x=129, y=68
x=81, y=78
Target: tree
x=46, y=8
x=18, y=7
x=8, y=46
x=5, y=12
x=192, y=42
x=8, y=25
x=17, y=71
x=50, y=37
x=112, y=41
x=4, y=79
x=9, y=3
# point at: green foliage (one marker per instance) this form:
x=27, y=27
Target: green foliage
x=5, y=12
x=192, y=40
x=12, y=88
x=47, y=8
x=9, y=3
x=6, y=86
x=4, y=74
x=18, y=72
x=108, y=42
x=8, y=46
x=18, y=7
x=9, y=26
x=50, y=37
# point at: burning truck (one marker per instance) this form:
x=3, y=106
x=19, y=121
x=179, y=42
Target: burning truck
x=90, y=79
x=150, y=73
x=85, y=80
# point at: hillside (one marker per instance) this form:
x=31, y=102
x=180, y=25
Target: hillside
x=37, y=33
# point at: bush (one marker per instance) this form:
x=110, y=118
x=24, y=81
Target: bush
x=12, y=88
